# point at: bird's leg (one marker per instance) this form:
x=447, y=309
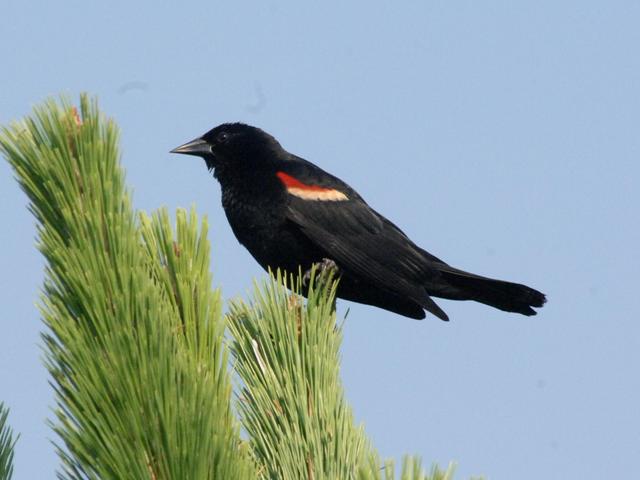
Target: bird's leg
x=328, y=268
x=306, y=278
x=325, y=270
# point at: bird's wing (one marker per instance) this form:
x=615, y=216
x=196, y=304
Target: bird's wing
x=336, y=219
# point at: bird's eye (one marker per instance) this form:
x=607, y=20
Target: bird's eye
x=222, y=137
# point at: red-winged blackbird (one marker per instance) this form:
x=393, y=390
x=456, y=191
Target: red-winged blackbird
x=291, y=214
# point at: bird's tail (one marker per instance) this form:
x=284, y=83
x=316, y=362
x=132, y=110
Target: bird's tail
x=507, y=296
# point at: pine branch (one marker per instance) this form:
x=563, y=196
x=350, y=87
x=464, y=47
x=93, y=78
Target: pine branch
x=7, y=444
x=135, y=345
x=291, y=399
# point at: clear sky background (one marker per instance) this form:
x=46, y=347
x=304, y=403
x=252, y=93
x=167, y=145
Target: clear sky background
x=503, y=137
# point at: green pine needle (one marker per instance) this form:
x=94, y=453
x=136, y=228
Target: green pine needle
x=7, y=444
x=291, y=400
x=134, y=343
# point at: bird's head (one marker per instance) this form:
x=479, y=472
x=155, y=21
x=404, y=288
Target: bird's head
x=232, y=146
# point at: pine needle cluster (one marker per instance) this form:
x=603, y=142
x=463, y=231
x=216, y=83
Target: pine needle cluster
x=7, y=444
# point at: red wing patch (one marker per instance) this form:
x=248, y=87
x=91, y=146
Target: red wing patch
x=310, y=192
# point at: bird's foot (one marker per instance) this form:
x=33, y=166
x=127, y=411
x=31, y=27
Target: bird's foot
x=325, y=272
x=327, y=268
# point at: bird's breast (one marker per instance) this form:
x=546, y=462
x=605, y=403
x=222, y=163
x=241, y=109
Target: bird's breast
x=261, y=225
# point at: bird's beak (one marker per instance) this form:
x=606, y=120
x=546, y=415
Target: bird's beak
x=197, y=147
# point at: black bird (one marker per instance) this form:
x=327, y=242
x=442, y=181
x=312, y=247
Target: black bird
x=291, y=214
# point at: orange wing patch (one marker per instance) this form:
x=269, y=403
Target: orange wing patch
x=310, y=192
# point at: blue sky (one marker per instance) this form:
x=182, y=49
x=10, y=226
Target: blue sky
x=501, y=136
